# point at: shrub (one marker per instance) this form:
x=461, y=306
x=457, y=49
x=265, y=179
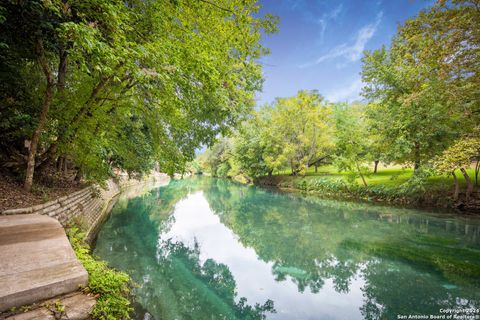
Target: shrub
x=112, y=286
x=222, y=170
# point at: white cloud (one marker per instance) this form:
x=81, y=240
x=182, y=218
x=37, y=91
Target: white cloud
x=335, y=12
x=323, y=26
x=323, y=21
x=351, y=51
x=351, y=92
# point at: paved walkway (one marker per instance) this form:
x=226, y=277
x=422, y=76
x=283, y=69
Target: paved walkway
x=36, y=261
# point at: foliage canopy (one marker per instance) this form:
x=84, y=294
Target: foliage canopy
x=125, y=84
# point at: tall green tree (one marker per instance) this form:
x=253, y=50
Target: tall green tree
x=257, y=147
x=125, y=80
x=459, y=156
x=425, y=89
x=446, y=37
x=304, y=124
x=406, y=110
x=295, y=132
x=351, y=139
x=216, y=158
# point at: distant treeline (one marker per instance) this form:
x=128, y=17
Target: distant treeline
x=421, y=109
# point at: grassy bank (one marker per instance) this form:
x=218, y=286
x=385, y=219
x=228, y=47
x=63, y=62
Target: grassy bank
x=388, y=176
x=111, y=286
x=390, y=185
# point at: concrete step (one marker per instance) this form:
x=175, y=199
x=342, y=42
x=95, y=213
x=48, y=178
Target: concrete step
x=26, y=222
x=77, y=307
x=36, y=261
x=50, y=249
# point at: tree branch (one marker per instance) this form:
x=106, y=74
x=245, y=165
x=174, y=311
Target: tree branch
x=217, y=6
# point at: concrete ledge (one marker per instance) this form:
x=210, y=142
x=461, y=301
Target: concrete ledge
x=28, y=287
x=89, y=204
x=77, y=307
x=36, y=260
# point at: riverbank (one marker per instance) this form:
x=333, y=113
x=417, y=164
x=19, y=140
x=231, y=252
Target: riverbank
x=89, y=206
x=14, y=196
x=396, y=194
x=110, y=286
x=85, y=210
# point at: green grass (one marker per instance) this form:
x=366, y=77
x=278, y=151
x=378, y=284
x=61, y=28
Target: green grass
x=387, y=176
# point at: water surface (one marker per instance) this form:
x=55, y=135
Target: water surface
x=205, y=248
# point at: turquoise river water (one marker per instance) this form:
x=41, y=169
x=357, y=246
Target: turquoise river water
x=205, y=248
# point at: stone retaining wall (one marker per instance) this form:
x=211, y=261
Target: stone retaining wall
x=90, y=205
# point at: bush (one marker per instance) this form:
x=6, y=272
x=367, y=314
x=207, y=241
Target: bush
x=112, y=286
x=222, y=170
x=411, y=192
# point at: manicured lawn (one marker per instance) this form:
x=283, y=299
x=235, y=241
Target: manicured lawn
x=388, y=176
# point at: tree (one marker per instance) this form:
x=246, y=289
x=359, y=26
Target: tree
x=405, y=108
x=376, y=148
x=165, y=77
x=459, y=156
x=303, y=125
x=194, y=167
x=257, y=147
x=215, y=159
x=50, y=34
x=293, y=132
x=424, y=88
x=36, y=22
x=447, y=37
x=352, y=140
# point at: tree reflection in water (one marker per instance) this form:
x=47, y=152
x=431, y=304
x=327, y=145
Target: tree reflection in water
x=404, y=261
x=172, y=281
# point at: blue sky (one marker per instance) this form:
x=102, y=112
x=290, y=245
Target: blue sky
x=320, y=43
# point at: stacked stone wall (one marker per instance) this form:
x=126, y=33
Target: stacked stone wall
x=90, y=205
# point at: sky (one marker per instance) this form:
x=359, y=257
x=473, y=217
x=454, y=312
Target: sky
x=320, y=44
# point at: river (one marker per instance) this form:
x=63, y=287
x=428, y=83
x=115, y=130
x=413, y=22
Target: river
x=205, y=248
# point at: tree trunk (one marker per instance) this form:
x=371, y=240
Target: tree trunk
x=457, y=186
x=60, y=163
x=65, y=167
x=316, y=168
x=51, y=153
x=416, y=156
x=36, y=137
x=469, y=183
x=270, y=173
x=62, y=69
x=361, y=175
x=47, y=101
x=78, y=176
x=375, y=166
x=477, y=169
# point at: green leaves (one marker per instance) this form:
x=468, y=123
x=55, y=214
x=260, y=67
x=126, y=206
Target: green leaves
x=410, y=106
x=302, y=124
x=141, y=82
x=293, y=132
x=113, y=287
x=353, y=141
x=423, y=101
x=459, y=155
